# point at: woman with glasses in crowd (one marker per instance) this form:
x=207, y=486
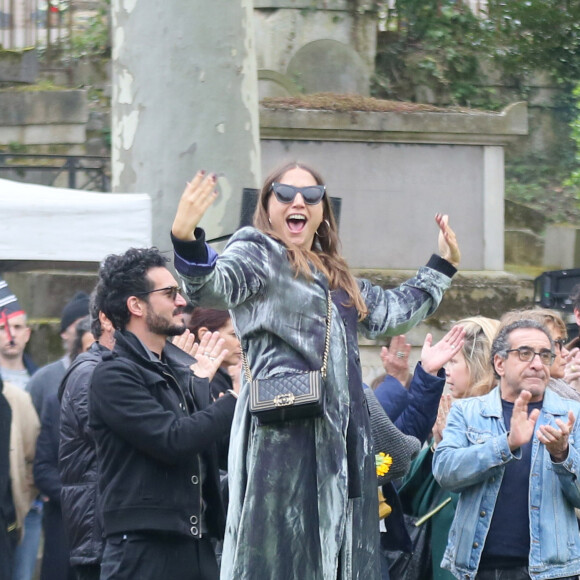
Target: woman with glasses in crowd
x=303, y=493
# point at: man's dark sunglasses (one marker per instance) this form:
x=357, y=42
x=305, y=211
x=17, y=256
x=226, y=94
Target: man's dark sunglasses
x=285, y=193
x=171, y=291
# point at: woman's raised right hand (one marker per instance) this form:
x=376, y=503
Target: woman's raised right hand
x=198, y=195
x=435, y=357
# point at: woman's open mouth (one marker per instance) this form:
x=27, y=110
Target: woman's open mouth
x=296, y=222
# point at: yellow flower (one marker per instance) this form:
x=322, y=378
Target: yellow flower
x=383, y=462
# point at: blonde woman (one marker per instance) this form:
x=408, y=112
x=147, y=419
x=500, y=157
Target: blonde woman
x=468, y=373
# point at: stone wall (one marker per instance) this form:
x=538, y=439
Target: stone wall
x=51, y=123
x=391, y=170
x=306, y=46
x=394, y=171
x=43, y=117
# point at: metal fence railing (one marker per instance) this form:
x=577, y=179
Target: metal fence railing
x=88, y=172
x=38, y=23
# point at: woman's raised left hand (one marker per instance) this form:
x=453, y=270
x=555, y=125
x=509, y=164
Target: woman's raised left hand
x=448, y=246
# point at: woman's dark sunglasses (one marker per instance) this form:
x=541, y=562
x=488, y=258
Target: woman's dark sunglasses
x=285, y=193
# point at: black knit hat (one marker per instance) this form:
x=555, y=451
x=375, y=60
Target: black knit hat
x=9, y=305
x=9, y=308
x=75, y=309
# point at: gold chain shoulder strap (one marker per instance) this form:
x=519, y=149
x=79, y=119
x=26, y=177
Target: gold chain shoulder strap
x=327, y=337
x=324, y=367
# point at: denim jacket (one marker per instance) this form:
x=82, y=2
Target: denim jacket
x=471, y=460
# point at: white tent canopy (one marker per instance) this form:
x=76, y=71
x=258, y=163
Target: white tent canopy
x=57, y=224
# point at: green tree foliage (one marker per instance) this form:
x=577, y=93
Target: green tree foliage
x=444, y=46
x=93, y=40
x=574, y=178
x=538, y=34
x=435, y=44
x=545, y=35
x=440, y=51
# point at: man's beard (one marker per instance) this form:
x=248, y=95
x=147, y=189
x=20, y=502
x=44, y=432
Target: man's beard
x=159, y=325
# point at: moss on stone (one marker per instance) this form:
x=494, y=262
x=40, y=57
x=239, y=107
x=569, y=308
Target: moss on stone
x=43, y=85
x=345, y=103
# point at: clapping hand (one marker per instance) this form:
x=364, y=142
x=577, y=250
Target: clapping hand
x=210, y=355
x=209, y=352
x=434, y=358
x=572, y=370
x=556, y=440
x=395, y=358
x=448, y=246
x=198, y=195
x=522, y=425
x=186, y=342
x=442, y=413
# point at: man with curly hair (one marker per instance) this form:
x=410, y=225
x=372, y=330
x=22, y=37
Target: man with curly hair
x=157, y=434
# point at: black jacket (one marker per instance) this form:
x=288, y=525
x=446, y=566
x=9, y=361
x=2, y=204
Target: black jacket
x=45, y=469
x=220, y=384
x=7, y=511
x=154, y=426
x=56, y=553
x=77, y=461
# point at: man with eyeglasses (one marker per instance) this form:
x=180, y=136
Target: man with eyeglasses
x=513, y=456
x=157, y=435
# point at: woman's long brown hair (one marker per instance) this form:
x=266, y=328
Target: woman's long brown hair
x=324, y=254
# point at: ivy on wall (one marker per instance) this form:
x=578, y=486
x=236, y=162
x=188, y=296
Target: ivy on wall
x=448, y=47
x=435, y=44
x=94, y=41
x=438, y=50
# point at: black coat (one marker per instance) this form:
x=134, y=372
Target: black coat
x=154, y=426
x=220, y=384
x=7, y=512
x=46, y=476
x=77, y=461
x=56, y=553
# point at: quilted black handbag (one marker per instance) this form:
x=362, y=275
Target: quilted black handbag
x=287, y=396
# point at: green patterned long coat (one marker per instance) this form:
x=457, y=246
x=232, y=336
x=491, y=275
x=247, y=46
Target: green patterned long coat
x=289, y=516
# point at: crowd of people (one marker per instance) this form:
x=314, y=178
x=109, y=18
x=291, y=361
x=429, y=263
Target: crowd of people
x=141, y=452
